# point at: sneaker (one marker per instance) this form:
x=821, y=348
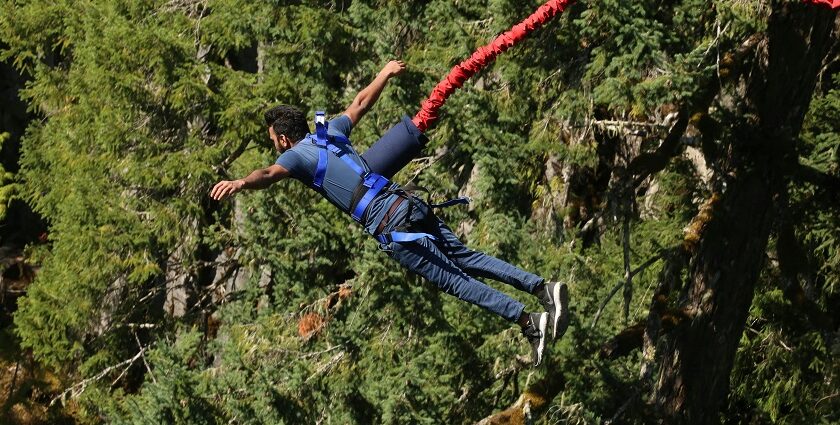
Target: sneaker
x=555, y=299
x=536, y=333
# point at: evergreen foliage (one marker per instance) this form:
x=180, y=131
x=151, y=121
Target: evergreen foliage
x=290, y=313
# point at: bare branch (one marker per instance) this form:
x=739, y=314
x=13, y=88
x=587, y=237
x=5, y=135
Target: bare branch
x=148, y=369
x=426, y=162
x=632, y=337
x=618, y=286
x=650, y=163
x=77, y=389
x=222, y=168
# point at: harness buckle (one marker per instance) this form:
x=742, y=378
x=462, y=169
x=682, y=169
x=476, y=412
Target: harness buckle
x=321, y=127
x=370, y=179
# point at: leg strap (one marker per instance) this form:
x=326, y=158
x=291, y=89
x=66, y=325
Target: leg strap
x=402, y=237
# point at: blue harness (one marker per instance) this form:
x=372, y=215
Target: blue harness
x=375, y=183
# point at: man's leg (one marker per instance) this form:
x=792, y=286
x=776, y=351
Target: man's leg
x=479, y=264
x=425, y=259
x=552, y=295
x=474, y=263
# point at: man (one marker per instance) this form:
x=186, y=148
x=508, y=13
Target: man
x=404, y=224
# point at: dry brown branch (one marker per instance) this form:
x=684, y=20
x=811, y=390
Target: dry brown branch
x=425, y=163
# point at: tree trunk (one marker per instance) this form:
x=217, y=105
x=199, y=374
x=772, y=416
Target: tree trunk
x=696, y=360
x=695, y=366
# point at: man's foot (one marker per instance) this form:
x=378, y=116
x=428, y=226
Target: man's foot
x=537, y=333
x=555, y=298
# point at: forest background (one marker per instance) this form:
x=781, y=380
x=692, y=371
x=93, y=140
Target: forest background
x=676, y=162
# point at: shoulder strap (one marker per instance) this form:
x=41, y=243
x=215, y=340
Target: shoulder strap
x=326, y=141
x=372, y=181
x=322, y=141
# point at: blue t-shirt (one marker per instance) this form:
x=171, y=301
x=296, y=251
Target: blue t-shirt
x=339, y=180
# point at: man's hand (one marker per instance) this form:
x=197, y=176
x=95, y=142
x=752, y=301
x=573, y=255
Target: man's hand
x=368, y=96
x=393, y=68
x=226, y=188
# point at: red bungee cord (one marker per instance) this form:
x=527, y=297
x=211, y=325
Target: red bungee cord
x=482, y=57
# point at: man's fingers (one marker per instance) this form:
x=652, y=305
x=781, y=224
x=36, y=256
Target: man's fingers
x=230, y=189
x=226, y=191
x=220, y=190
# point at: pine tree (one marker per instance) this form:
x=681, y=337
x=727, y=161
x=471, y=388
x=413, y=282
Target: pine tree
x=632, y=149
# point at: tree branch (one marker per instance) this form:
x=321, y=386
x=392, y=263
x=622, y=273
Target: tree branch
x=532, y=401
x=148, y=369
x=79, y=388
x=628, y=275
x=621, y=283
x=650, y=163
x=233, y=156
x=659, y=316
x=631, y=338
x=730, y=69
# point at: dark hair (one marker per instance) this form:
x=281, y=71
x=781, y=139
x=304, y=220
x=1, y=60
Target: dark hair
x=287, y=120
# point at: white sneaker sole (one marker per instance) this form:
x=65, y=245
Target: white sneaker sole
x=560, y=297
x=542, y=328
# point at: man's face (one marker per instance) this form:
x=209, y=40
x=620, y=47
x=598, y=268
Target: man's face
x=281, y=142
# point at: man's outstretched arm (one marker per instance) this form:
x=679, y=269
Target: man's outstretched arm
x=258, y=179
x=370, y=94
